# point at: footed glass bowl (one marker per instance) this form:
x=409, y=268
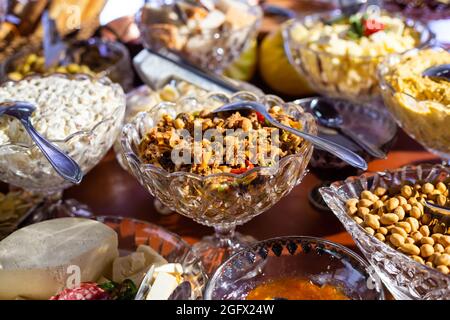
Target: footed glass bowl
x=211, y=48
x=426, y=121
x=343, y=76
x=404, y=277
x=320, y=261
x=244, y=196
x=132, y=233
x=26, y=167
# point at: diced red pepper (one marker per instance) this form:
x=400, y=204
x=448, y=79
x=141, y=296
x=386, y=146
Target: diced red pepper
x=372, y=26
x=260, y=117
x=238, y=171
x=242, y=170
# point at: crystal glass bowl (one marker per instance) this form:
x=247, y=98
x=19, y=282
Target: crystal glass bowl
x=341, y=76
x=105, y=58
x=404, y=277
x=320, y=261
x=246, y=196
x=132, y=233
x=426, y=121
x=210, y=48
x=25, y=166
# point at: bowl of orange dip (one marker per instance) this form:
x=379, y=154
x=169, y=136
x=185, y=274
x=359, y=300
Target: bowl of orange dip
x=295, y=268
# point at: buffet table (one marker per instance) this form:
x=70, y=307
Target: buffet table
x=109, y=190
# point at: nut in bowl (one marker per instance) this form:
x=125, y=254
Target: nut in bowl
x=211, y=36
x=94, y=57
x=218, y=195
x=420, y=104
x=405, y=246
x=339, y=55
x=295, y=268
x=84, y=127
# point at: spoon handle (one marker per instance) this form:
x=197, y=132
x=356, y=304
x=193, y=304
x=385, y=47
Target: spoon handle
x=341, y=152
x=62, y=163
x=365, y=145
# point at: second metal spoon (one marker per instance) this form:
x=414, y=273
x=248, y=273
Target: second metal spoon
x=441, y=72
x=64, y=165
x=328, y=116
x=341, y=152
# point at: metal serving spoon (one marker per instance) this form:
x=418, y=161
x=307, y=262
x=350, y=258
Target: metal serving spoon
x=328, y=116
x=64, y=165
x=441, y=72
x=342, y=153
x=442, y=214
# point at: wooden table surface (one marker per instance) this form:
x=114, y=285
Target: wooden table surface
x=109, y=190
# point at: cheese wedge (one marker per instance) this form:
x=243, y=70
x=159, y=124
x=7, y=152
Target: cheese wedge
x=38, y=261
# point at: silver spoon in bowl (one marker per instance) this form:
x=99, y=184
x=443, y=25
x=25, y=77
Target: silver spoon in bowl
x=441, y=72
x=341, y=152
x=64, y=165
x=442, y=214
x=328, y=116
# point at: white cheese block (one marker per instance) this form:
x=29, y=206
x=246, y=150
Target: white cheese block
x=162, y=288
x=35, y=260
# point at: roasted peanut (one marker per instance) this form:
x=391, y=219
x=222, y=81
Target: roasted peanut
x=410, y=248
x=400, y=212
x=443, y=260
x=425, y=231
x=426, y=250
x=372, y=221
x=427, y=240
x=396, y=239
x=438, y=248
x=380, y=191
x=407, y=191
x=427, y=188
x=392, y=204
x=380, y=236
x=389, y=218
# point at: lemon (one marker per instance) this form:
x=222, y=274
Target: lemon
x=276, y=70
x=244, y=67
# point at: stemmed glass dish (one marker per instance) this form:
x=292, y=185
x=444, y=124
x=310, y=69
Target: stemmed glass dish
x=23, y=165
x=209, y=45
x=420, y=108
x=404, y=277
x=345, y=74
x=240, y=197
x=316, y=260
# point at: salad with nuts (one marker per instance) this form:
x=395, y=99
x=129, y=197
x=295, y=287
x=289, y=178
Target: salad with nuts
x=159, y=144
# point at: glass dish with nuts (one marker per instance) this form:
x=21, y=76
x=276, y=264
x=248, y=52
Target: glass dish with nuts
x=210, y=34
x=218, y=195
x=339, y=55
x=420, y=105
x=384, y=212
x=94, y=57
